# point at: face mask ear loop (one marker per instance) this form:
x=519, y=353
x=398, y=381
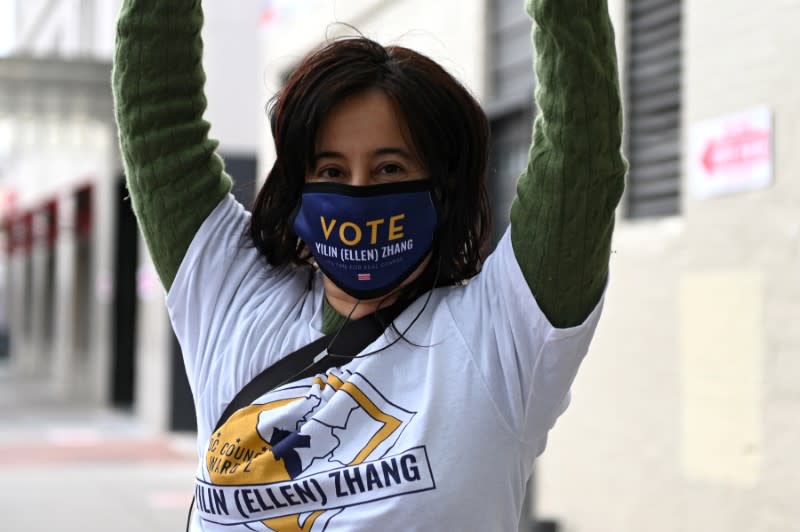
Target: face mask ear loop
x=293, y=215
x=424, y=306
x=350, y=314
x=341, y=327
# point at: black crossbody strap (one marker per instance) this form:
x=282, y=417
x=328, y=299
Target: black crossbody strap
x=353, y=338
x=350, y=340
x=273, y=376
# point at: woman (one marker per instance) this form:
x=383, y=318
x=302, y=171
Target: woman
x=377, y=199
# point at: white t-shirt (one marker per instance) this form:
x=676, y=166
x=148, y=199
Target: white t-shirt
x=438, y=432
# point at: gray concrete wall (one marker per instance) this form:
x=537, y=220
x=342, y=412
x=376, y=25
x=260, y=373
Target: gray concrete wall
x=19, y=343
x=684, y=416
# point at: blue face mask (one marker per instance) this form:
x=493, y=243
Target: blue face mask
x=367, y=239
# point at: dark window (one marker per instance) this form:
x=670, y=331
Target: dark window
x=126, y=263
x=50, y=235
x=510, y=107
x=654, y=107
x=83, y=278
x=242, y=169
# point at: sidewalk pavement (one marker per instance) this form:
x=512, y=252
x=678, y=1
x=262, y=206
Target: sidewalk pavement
x=73, y=468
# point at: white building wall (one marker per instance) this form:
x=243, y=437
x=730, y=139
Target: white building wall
x=684, y=415
x=19, y=345
x=233, y=83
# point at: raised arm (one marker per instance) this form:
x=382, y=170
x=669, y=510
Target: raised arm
x=174, y=177
x=563, y=216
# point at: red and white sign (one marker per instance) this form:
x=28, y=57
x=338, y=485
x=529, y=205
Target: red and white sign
x=731, y=154
x=273, y=11
x=8, y=203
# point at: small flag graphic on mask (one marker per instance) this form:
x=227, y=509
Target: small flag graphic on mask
x=364, y=276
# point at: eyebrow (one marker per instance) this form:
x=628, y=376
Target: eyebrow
x=382, y=151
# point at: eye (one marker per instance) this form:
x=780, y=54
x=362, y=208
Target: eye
x=329, y=173
x=392, y=169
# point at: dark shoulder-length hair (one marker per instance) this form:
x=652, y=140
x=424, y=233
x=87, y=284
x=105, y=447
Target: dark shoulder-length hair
x=446, y=125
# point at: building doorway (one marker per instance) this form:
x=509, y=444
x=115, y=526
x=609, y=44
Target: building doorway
x=126, y=260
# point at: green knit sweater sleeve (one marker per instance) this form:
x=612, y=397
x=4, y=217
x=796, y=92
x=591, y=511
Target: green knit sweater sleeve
x=174, y=177
x=563, y=216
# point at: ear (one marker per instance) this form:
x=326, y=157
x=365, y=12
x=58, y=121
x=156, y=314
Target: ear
x=293, y=216
x=440, y=204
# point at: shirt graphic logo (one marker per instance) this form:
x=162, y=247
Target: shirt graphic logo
x=306, y=455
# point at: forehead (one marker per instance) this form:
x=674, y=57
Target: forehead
x=363, y=122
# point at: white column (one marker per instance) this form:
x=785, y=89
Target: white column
x=18, y=348
x=65, y=363
x=38, y=271
x=104, y=223
x=153, y=348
